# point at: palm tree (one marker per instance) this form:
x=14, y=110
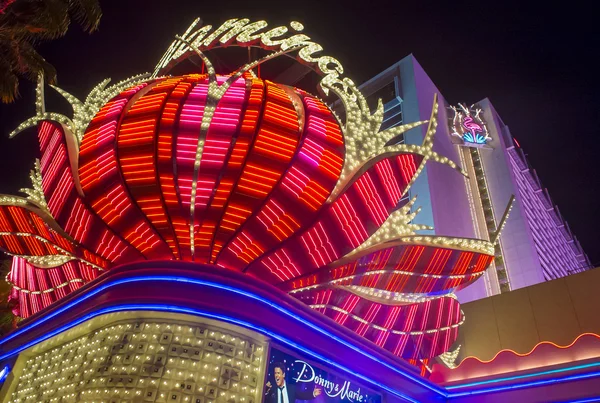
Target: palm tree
x=23, y=24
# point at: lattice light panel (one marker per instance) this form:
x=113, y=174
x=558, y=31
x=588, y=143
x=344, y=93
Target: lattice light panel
x=146, y=361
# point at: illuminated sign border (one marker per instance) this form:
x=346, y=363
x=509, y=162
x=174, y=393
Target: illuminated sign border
x=446, y=392
x=342, y=390
x=468, y=126
x=364, y=141
x=365, y=148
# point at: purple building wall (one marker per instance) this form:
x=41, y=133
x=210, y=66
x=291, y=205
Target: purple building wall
x=536, y=243
x=520, y=258
x=449, y=202
x=439, y=189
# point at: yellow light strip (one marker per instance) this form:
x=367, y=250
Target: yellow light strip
x=58, y=248
x=400, y=332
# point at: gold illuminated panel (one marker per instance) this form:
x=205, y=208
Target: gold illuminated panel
x=145, y=361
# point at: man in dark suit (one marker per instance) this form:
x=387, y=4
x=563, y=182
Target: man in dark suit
x=284, y=392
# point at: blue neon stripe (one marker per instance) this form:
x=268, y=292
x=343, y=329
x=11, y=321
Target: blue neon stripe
x=203, y=283
x=190, y=311
x=526, y=384
x=4, y=373
x=311, y=325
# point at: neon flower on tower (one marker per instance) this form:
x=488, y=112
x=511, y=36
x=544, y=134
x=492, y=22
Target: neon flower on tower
x=240, y=173
x=468, y=125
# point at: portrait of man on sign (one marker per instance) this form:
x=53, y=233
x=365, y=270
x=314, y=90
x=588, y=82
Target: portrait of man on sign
x=284, y=391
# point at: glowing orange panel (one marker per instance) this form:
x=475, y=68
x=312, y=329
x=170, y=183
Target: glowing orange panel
x=421, y=329
x=35, y=289
x=23, y=232
x=102, y=182
x=67, y=206
x=218, y=145
x=354, y=215
x=165, y=155
x=275, y=144
x=137, y=147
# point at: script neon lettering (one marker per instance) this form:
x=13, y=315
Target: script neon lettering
x=227, y=25
x=246, y=33
x=332, y=389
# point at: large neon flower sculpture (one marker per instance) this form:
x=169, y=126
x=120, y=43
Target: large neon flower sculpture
x=242, y=174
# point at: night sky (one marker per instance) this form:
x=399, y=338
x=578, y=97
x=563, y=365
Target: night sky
x=538, y=66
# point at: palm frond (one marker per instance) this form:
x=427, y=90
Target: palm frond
x=86, y=13
x=24, y=23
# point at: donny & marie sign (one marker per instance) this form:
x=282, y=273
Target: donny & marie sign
x=291, y=379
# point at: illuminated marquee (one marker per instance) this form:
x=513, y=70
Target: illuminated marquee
x=468, y=126
x=243, y=174
x=306, y=378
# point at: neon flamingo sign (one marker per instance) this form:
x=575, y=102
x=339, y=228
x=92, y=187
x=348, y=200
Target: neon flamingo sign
x=469, y=126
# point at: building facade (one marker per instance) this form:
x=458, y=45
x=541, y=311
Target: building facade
x=218, y=237
x=536, y=243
